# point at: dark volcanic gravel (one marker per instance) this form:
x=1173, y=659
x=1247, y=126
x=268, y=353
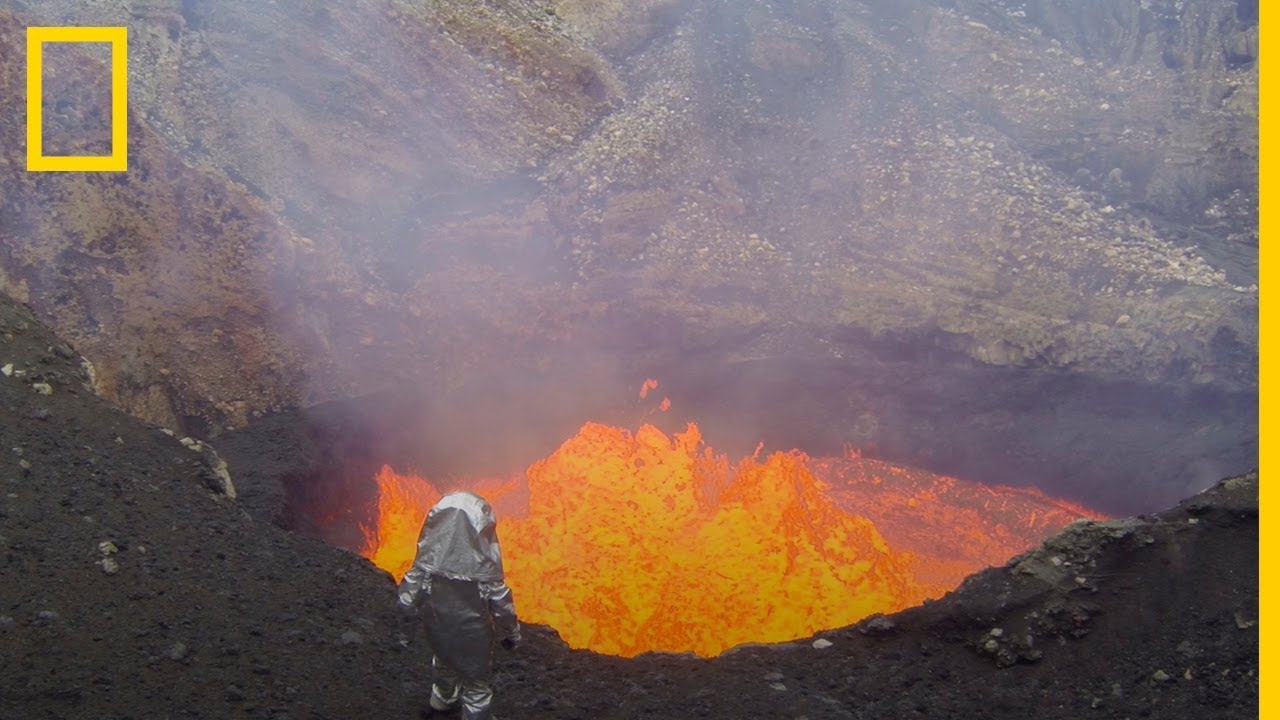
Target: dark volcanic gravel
x=133, y=588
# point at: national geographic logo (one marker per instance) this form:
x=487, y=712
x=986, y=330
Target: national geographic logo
x=117, y=161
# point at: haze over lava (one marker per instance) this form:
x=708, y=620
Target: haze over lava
x=1007, y=240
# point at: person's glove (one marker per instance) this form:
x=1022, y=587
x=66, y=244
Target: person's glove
x=510, y=642
x=406, y=611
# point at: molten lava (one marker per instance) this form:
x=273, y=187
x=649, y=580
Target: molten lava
x=951, y=528
x=403, y=502
x=639, y=542
x=644, y=542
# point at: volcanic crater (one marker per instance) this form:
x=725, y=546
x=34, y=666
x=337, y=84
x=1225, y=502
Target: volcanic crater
x=792, y=340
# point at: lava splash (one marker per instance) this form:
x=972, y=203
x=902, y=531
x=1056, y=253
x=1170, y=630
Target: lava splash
x=634, y=542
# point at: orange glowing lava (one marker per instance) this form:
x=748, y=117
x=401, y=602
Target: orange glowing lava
x=632, y=542
x=403, y=502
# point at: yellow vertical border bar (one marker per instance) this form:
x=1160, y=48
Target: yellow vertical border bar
x=119, y=100
x=118, y=160
x=1268, y=552
x=35, y=118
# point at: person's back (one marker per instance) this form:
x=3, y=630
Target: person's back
x=456, y=583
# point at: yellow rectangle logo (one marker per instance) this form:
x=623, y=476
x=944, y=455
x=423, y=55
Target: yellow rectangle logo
x=117, y=161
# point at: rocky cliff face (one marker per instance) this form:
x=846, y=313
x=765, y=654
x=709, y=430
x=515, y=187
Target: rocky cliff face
x=326, y=199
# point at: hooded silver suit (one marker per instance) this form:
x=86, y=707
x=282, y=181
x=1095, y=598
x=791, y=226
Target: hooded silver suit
x=456, y=583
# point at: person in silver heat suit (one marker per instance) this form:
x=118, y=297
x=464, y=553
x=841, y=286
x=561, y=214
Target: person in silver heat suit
x=456, y=583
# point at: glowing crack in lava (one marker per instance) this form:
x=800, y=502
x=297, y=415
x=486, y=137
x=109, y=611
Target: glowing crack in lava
x=638, y=542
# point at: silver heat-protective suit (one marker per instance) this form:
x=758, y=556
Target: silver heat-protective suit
x=456, y=584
